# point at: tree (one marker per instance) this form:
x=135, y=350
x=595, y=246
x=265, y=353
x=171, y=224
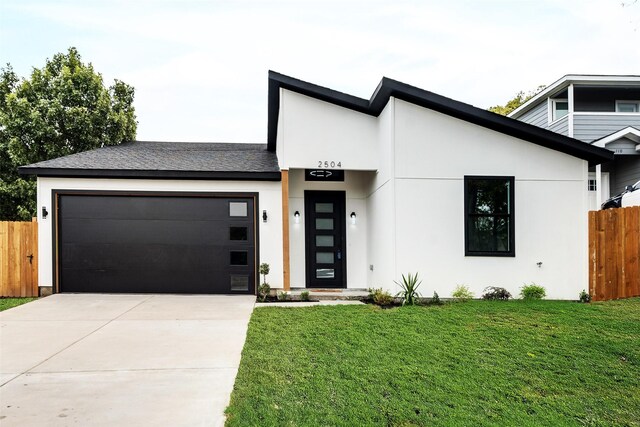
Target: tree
x=63, y=108
x=517, y=101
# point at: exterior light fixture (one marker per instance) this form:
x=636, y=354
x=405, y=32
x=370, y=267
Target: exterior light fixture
x=353, y=217
x=44, y=212
x=296, y=217
x=264, y=216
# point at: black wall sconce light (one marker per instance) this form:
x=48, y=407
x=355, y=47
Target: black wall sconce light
x=353, y=217
x=44, y=212
x=264, y=216
x=296, y=217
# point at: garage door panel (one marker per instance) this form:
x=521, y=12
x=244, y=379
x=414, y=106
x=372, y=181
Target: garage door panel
x=119, y=250
x=112, y=281
x=146, y=207
x=139, y=255
x=152, y=231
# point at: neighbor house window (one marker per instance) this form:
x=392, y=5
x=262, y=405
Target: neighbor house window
x=559, y=108
x=627, y=106
x=489, y=226
x=593, y=186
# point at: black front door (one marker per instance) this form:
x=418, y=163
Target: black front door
x=325, y=239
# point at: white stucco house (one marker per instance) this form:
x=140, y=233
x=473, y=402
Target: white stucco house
x=347, y=193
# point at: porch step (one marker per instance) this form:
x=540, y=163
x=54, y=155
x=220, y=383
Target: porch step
x=331, y=294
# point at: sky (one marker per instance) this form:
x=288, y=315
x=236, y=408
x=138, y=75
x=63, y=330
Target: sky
x=200, y=68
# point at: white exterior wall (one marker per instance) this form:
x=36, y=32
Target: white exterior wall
x=312, y=131
x=433, y=154
x=269, y=199
x=413, y=202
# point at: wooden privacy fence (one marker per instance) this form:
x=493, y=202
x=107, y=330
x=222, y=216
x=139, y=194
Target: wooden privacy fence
x=18, y=259
x=614, y=253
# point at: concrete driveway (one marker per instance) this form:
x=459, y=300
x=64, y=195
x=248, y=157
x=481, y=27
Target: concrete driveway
x=121, y=360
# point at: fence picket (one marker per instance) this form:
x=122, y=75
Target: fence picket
x=614, y=253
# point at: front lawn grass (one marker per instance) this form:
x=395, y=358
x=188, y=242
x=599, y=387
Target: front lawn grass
x=6, y=303
x=479, y=363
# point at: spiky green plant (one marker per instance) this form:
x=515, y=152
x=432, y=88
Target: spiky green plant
x=409, y=289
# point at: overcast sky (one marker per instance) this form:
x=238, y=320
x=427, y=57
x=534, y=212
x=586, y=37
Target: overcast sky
x=200, y=67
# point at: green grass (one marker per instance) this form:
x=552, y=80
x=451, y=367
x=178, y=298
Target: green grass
x=546, y=363
x=6, y=303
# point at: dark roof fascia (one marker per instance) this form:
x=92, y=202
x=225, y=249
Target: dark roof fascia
x=149, y=174
x=389, y=87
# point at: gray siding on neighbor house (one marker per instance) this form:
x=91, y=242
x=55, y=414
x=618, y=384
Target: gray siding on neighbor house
x=594, y=126
x=623, y=171
x=627, y=172
x=537, y=116
x=560, y=126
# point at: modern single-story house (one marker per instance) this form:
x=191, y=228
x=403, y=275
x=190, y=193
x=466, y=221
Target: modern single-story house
x=347, y=193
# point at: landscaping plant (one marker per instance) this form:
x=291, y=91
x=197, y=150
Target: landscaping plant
x=532, y=292
x=462, y=293
x=495, y=293
x=263, y=292
x=264, y=289
x=435, y=300
x=584, y=297
x=283, y=296
x=264, y=270
x=409, y=289
x=304, y=296
x=380, y=297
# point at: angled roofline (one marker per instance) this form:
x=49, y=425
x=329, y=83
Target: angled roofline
x=565, y=81
x=629, y=132
x=389, y=87
x=147, y=174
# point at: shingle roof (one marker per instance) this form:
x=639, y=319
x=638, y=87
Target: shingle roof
x=150, y=159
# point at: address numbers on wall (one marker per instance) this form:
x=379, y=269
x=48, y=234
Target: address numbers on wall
x=329, y=164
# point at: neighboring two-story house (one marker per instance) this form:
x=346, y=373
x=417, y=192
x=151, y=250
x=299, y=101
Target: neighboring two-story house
x=600, y=110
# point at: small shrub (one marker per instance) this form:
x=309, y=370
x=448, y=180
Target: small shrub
x=264, y=270
x=435, y=300
x=263, y=291
x=380, y=297
x=283, y=296
x=409, y=289
x=304, y=296
x=462, y=293
x=532, y=292
x=584, y=297
x=495, y=293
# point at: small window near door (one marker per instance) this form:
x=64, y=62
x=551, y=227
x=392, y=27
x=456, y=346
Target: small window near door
x=559, y=109
x=239, y=283
x=627, y=106
x=238, y=209
x=238, y=233
x=489, y=219
x=239, y=258
x=593, y=186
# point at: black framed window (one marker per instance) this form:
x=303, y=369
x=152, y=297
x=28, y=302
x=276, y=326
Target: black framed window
x=489, y=220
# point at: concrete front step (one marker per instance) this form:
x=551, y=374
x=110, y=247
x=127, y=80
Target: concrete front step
x=330, y=294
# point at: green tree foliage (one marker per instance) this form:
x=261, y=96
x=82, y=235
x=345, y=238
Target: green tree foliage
x=63, y=108
x=515, y=102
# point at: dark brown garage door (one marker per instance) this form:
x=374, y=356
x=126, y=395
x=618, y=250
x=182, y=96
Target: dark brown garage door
x=156, y=243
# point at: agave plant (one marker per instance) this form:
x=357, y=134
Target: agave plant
x=409, y=289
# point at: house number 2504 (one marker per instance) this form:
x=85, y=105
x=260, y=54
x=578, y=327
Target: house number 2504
x=329, y=164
